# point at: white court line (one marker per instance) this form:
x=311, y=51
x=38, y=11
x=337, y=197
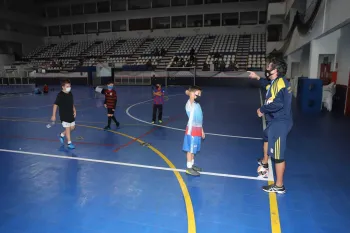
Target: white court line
x=270, y=175
x=129, y=164
x=178, y=129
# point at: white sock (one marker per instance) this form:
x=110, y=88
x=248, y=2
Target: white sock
x=192, y=162
x=69, y=142
x=62, y=135
x=189, y=164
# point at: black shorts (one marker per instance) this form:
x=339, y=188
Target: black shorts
x=275, y=135
x=110, y=111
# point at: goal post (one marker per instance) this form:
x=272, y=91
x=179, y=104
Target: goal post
x=181, y=76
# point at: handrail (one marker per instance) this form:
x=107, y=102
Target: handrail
x=302, y=22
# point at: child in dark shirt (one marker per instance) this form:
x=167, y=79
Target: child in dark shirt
x=158, y=101
x=110, y=103
x=67, y=111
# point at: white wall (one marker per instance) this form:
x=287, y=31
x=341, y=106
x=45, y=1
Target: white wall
x=161, y=33
x=160, y=12
x=6, y=59
x=325, y=45
x=276, y=8
x=301, y=56
x=343, y=56
x=29, y=42
x=332, y=13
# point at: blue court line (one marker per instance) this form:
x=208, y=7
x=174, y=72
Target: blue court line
x=178, y=129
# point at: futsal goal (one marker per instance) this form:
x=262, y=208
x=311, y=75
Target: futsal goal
x=180, y=76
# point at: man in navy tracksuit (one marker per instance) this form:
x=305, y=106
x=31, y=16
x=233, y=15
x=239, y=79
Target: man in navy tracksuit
x=278, y=113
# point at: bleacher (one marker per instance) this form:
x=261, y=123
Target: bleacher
x=223, y=52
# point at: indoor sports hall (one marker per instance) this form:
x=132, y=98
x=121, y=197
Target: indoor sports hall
x=133, y=178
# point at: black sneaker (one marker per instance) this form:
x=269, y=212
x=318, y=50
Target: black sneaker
x=197, y=169
x=274, y=189
x=192, y=172
x=118, y=124
x=107, y=128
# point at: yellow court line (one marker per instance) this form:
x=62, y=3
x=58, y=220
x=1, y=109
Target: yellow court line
x=191, y=222
x=275, y=218
x=274, y=214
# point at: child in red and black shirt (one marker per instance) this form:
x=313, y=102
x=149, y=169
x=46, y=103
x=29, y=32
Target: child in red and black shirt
x=110, y=103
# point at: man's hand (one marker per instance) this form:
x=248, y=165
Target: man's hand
x=53, y=118
x=260, y=114
x=105, y=105
x=75, y=114
x=203, y=134
x=113, y=110
x=253, y=75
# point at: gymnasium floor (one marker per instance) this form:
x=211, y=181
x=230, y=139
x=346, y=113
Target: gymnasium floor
x=132, y=179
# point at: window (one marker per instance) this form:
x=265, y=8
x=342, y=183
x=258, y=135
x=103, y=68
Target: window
x=178, y=21
x=118, y=5
x=103, y=7
x=212, y=1
x=119, y=26
x=64, y=11
x=161, y=22
x=104, y=26
x=78, y=29
x=160, y=3
x=194, y=21
x=249, y=18
x=90, y=28
x=139, y=24
x=212, y=20
x=78, y=9
x=178, y=2
x=230, y=19
x=52, y=12
x=90, y=8
x=262, y=17
x=194, y=2
x=54, y=31
x=274, y=32
x=139, y=4
x=66, y=29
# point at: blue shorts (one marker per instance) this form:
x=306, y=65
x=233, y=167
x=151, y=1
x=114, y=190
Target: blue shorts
x=192, y=144
x=277, y=133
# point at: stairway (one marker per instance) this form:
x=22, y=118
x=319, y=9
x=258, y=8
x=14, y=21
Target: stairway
x=110, y=52
x=139, y=51
x=204, y=51
x=243, y=52
x=86, y=52
x=163, y=63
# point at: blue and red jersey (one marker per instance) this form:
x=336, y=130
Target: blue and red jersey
x=159, y=100
x=195, y=119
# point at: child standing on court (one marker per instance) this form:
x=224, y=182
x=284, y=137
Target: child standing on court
x=194, y=130
x=65, y=103
x=158, y=101
x=110, y=103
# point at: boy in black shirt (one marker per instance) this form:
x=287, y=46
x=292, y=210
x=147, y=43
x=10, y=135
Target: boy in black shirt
x=65, y=103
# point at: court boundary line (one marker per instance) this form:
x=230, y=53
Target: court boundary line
x=274, y=214
x=191, y=221
x=127, y=111
x=130, y=164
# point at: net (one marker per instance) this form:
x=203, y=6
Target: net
x=178, y=75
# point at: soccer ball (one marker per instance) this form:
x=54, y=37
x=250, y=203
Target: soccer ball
x=263, y=172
